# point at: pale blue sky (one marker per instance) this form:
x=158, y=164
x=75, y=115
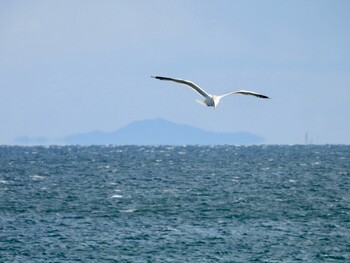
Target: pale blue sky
x=75, y=66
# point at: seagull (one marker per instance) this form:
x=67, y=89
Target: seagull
x=210, y=100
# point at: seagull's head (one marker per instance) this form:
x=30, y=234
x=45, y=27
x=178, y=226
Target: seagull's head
x=216, y=100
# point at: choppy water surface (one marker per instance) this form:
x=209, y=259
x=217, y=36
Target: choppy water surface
x=175, y=204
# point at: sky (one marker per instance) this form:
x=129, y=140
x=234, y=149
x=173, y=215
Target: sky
x=70, y=67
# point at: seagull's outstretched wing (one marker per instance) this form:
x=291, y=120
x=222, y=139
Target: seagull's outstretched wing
x=186, y=82
x=246, y=92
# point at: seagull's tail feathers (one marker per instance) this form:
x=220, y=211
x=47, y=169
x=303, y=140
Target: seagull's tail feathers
x=201, y=102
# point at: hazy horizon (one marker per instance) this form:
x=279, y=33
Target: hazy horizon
x=148, y=132
x=158, y=126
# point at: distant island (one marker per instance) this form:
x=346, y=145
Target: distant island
x=151, y=132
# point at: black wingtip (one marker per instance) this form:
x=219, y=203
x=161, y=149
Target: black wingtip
x=160, y=78
x=263, y=96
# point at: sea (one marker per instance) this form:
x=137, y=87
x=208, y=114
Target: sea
x=265, y=203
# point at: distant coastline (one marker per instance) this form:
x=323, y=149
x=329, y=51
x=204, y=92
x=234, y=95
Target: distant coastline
x=150, y=132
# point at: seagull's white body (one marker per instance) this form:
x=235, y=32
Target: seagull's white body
x=210, y=100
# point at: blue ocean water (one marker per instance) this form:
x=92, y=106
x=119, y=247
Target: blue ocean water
x=175, y=204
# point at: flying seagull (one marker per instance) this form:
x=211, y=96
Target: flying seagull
x=210, y=100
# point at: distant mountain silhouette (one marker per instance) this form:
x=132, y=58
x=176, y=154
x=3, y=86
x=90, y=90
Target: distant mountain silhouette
x=161, y=132
x=149, y=132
